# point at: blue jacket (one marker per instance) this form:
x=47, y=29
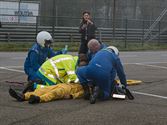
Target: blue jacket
x=110, y=62
x=35, y=58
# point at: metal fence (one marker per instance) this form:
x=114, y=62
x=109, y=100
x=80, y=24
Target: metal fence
x=63, y=30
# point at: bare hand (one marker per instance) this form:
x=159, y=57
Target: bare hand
x=89, y=21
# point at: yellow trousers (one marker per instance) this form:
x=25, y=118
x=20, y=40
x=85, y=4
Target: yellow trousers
x=59, y=91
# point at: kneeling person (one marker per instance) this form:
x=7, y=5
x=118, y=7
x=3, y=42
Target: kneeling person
x=58, y=69
x=101, y=72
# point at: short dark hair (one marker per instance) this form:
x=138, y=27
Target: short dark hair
x=86, y=12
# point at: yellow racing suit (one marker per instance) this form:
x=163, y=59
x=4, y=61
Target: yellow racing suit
x=55, y=92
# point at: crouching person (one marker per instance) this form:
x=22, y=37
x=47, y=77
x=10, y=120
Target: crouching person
x=50, y=93
x=58, y=69
x=100, y=73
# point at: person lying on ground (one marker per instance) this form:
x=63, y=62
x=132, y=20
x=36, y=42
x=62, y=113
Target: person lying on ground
x=50, y=93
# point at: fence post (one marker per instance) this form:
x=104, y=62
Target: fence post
x=53, y=27
x=37, y=24
x=71, y=38
x=8, y=37
x=126, y=30
x=142, y=42
x=100, y=37
x=159, y=33
x=113, y=18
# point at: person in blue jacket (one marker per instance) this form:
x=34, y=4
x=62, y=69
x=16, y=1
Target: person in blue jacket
x=38, y=54
x=101, y=72
x=94, y=46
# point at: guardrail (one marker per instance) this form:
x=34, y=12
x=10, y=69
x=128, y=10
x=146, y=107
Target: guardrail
x=27, y=33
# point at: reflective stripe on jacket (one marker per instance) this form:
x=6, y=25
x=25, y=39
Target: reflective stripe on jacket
x=60, y=69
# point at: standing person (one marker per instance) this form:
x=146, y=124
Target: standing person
x=38, y=54
x=101, y=72
x=87, y=29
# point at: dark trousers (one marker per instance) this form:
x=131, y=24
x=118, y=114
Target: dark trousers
x=83, y=46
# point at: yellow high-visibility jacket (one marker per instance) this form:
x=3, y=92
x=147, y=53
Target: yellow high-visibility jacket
x=60, y=69
x=59, y=91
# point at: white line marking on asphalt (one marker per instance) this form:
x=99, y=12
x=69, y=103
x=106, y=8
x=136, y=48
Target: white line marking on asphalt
x=12, y=69
x=128, y=56
x=18, y=58
x=147, y=94
x=155, y=66
x=146, y=63
x=153, y=62
x=14, y=66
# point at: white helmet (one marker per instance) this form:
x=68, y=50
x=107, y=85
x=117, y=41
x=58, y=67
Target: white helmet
x=116, y=51
x=42, y=37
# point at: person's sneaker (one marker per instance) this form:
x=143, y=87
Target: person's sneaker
x=129, y=94
x=29, y=87
x=34, y=99
x=16, y=95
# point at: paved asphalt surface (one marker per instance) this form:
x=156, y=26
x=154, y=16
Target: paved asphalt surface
x=148, y=108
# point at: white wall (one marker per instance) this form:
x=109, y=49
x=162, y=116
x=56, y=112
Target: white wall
x=18, y=12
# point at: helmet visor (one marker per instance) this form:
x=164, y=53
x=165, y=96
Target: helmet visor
x=48, y=43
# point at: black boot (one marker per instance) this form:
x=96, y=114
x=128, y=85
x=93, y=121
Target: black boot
x=94, y=95
x=86, y=92
x=16, y=95
x=34, y=99
x=29, y=87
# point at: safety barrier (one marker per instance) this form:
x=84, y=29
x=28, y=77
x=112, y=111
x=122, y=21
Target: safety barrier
x=27, y=33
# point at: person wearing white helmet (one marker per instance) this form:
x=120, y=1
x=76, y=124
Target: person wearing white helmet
x=44, y=39
x=38, y=54
x=101, y=73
